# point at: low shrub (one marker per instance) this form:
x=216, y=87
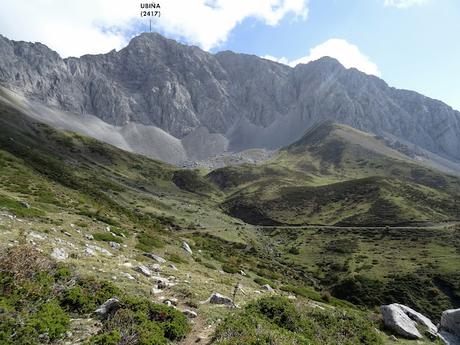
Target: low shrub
x=107, y=237
x=277, y=320
x=147, y=242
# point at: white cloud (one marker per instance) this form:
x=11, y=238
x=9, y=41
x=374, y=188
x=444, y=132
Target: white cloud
x=346, y=53
x=80, y=27
x=404, y=3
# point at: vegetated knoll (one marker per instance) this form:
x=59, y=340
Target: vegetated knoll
x=338, y=175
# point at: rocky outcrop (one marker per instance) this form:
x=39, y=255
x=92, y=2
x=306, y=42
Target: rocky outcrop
x=217, y=298
x=403, y=321
x=450, y=327
x=450, y=321
x=220, y=101
x=108, y=306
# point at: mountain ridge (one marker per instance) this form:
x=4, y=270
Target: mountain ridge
x=252, y=102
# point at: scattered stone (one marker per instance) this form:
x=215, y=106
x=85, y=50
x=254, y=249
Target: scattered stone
x=243, y=273
x=217, y=298
x=268, y=288
x=37, y=236
x=129, y=276
x=393, y=338
x=89, y=237
x=114, y=245
x=156, y=268
x=90, y=252
x=143, y=270
x=59, y=254
x=172, y=301
x=99, y=249
x=190, y=313
x=403, y=321
x=108, y=306
x=156, y=291
x=157, y=258
x=187, y=248
x=67, y=234
x=25, y=204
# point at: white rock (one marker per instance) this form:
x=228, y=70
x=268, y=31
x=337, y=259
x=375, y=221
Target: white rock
x=268, y=288
x=403, y=321
x=108, y=306
x=114, y=245
x=217, y=298
x=157, y=258
x=187, y=248
x=37, y=236
x=172, y=301
x=90, y=252
x=143, y=270
x=59, y=254
x=129, y=276
x=156, y=268
x=190, y=313
x=89, y=237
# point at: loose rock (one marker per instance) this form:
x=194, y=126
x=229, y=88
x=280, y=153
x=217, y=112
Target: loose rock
x=143, y=270
x=108, y=306
x=59, y=254
x=217, y=298
x=189, y=313
x=157, y=258
x=403, y=321
x=187, y=248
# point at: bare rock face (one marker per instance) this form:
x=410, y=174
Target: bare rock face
x=226, y=101
x=450, y=322
x=403, y=321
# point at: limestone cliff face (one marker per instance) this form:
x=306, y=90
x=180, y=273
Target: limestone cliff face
x=248, y=101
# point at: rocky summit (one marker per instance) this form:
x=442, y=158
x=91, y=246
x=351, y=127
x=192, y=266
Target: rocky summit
x=179, y=103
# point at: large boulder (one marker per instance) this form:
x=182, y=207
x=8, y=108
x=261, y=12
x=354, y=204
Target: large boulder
x=217, y=298
x=403, y=321
x=108, y=306
x=450, y=321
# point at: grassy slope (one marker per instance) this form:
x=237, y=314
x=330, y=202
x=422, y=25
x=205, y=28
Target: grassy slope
x=338, y=175
x=77, y=186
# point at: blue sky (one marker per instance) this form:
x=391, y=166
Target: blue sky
x=412, y=44
x=416, y=48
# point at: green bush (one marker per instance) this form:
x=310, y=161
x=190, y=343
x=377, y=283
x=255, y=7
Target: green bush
x=147, y=242
x=263, y=281
x=87, y=295
x=277, y=320
x=176, y=258
x=230, y=269
x=51, y=319
x=107, y=237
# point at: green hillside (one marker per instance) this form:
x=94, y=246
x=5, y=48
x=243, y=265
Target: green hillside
x=338, y=175
x=105, y=209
